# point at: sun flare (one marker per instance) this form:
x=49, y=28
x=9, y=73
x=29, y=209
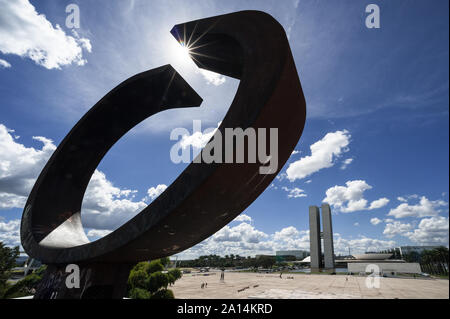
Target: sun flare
x=180, y=53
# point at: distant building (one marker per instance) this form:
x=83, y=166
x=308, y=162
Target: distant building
x=372, y=256
x=299, y=254
x=418, y=249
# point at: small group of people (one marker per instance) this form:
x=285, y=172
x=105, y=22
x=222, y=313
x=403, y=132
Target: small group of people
x=204, y=285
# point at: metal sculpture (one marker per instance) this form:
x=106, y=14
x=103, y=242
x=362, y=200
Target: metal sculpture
x=248, y=45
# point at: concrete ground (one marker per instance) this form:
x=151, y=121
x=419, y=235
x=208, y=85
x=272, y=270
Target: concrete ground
x=304, y=286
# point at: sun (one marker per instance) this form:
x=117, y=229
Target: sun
x=184, y=51
x=180, y=53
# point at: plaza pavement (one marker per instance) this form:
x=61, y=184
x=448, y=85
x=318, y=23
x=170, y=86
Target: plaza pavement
x=304, y=286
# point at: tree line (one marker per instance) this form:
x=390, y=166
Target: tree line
x=235, y=261
x=434, y=261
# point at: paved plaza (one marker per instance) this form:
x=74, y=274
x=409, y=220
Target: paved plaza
x=304, y=286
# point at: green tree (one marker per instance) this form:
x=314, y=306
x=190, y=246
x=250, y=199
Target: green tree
x=163, y=294
x=139, y=293
x=138, y=279
x=155, y=266
x=165, y=261
x=156, y=281
x=266, y=261
x=25, y=287
x=143, y=265
x=176, y=273
x=8, y=258
x=146, y=280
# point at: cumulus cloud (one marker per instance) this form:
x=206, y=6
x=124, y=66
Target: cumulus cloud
x=198, y=139
x=350, y=198
x=212, y=77
x=4, y=64
x=237, y=241
x=424, y=208
x=10, y=232
x=294, y=192
x=106, y=206
x=379, y=203
x=375, y=221
x=346, y=163
x=286, y=233
x=19, y=167
x=154, y=192
x=360, y=245
x=431, y=231
x=98, y=232
x=323, y=153
x=242, y=232
x=396, y=228
x=243, y=218
x=26, y=33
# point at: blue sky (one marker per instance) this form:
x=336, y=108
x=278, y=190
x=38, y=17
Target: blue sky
x=375, y=144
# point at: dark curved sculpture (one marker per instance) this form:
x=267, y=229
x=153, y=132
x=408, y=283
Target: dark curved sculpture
x=248, y=45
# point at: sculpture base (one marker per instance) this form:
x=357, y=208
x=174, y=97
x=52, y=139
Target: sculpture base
x=92, y=281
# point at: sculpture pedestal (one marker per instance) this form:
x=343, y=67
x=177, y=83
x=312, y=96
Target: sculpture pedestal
x=96, y=281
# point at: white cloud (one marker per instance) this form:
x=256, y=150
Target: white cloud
x=294, y=192
x=401, y=199
x=423, y=209
x=396, y=228
x=154, y=192
x=19, y=167
x=431, y=231
x=375, y=221
x=281, y=176
x=198, y=139
x=295, y=152
x=350, y=198
x=10, y=232
x=360, y=245
x=308, y=181
x=242, y=232
x=4, y=64
x=323, y=152
x=356, y=224
x=237, y=240
x=25, y=32
x=287, y=233
x=212, y=77
x=346, y=163
x=98, y=232
x=105, y=206
x=379, y=203
x=243, y=218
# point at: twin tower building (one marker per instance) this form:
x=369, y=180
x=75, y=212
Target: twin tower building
x=315, y=236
